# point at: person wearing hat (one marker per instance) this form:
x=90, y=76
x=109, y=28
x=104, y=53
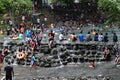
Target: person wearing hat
x=9, y=71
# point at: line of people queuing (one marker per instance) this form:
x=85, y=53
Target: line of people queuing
x=97, y=37
x=89, y=37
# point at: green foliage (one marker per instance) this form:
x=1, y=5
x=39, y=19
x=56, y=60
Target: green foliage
x=64, y=1
x=2, y=7
x=54, y=1
x=112, y=8
x=7, y=6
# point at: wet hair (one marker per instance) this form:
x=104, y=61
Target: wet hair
x=96, y=34
x=20, y=49
x=6, y=47
x=33, y=54
x=73, y=33
x=106, y=33
x=51, y=30
x=81, y=31
x=9, y=62
x=114, y=33
x=88, y=32
x=0, y=51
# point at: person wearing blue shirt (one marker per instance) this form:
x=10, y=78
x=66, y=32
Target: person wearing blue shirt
x=32, y=62
x=20, y=36
x=28, y=34
x=81, y=37
x=96, y=37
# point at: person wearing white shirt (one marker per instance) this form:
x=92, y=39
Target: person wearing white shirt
x=10, y=22
x=38, y=21
x=100, y=37
x=61, y=37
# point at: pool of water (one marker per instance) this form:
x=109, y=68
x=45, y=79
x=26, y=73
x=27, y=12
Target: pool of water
x=85, y=30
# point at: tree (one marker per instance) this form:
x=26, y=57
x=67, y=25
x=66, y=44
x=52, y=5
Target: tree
x=61, y=1
x=112, y=9
x=15, y=7
x=2, y=7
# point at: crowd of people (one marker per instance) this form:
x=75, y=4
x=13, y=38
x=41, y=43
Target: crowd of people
x=33, y=35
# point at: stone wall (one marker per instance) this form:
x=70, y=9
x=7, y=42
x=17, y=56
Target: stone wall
x=62, y=53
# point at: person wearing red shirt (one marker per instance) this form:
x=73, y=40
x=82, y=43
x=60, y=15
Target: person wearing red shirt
x=51, y=38
x=1, y=59
x=32, y=44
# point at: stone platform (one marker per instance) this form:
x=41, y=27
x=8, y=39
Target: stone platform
x=61, y=53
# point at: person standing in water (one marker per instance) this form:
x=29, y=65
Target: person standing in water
x=9, y=72
x=33, y=64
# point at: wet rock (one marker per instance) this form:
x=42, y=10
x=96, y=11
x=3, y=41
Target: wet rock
x=71, y=78
x=41, y=78
x=12, y=43
x=14, y=56
x=46, y=50
x=64, y=62
x=37, y=49
x=34, y=79
x=1, y=45
x=75, y=59
x=81, y=59
x=69, y=59
x=18, y=62
x=54, y=78
x=39, y=55
x=47, y=65
x=20, y=43
x=22, y=62
x=27, y=63
x=8, y=58
x=55, y=57
x=86, y=59
x=28, y=59
x=66, y=52
x=54, y=51
x=63, y=56
x=12, y=61
x=55, y=64
x=41, y=64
